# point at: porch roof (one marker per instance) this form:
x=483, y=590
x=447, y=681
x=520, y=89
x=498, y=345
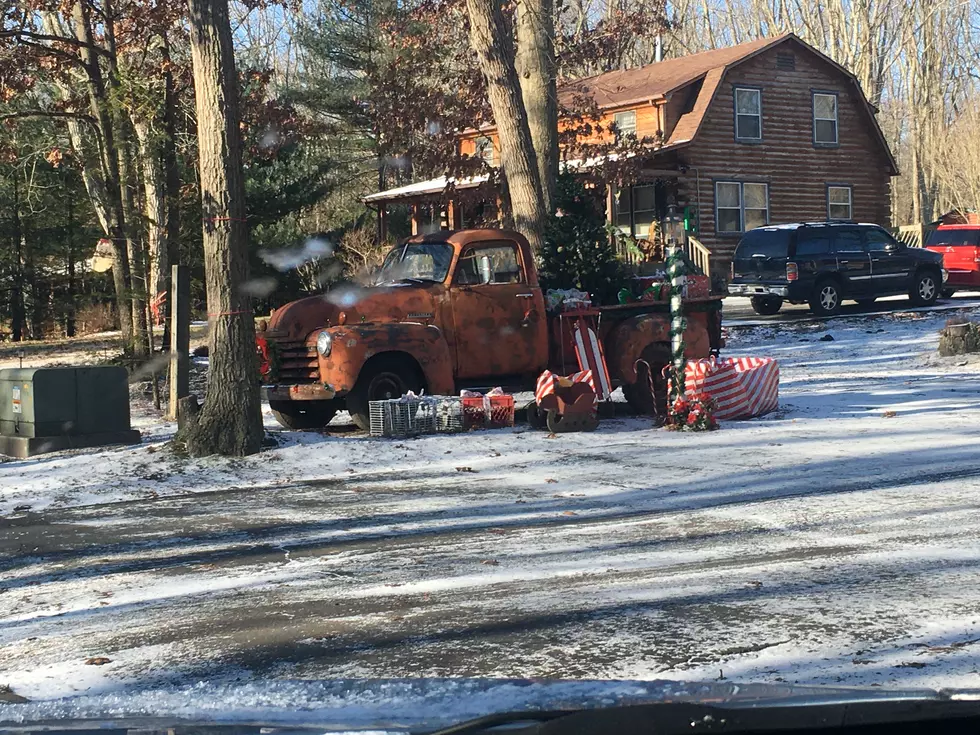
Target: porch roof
x=421, y=188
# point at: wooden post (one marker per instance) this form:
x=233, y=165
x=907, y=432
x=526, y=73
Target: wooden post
x=382, y=223
x=415, y=219
x=180, y=337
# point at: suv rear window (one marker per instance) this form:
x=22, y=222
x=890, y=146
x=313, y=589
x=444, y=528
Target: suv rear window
x=954, y=237
x=760, y=241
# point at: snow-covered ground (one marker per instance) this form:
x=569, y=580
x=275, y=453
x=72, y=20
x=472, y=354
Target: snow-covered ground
x=833, y=542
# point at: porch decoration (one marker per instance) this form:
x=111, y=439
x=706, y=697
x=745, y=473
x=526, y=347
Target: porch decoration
x=739, y=388
x=676, y=272
x=564, y=404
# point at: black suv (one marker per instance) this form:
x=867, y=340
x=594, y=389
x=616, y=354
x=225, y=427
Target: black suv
x=823, y=263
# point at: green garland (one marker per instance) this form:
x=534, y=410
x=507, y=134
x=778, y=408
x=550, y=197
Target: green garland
x=676, y=272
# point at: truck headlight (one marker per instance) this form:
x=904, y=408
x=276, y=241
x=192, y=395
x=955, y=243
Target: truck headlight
x=324, y=343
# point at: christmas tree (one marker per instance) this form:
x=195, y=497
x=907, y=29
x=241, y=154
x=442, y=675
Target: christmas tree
x=577, y=251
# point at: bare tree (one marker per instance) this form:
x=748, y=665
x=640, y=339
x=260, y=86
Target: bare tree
x=230, y=421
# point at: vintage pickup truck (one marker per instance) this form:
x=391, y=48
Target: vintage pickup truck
x=447, y=311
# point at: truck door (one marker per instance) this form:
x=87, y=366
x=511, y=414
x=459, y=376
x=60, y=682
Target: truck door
x=891, y=265
x=499, y=319
x=853, y=261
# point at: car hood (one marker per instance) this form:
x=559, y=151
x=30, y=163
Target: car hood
x=926, y=256
x=391, y=303
x=407, y=705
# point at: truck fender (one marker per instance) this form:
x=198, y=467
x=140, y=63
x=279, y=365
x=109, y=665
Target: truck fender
x=355, y=345
x=630, y=337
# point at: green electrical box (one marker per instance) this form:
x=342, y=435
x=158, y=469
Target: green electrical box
x=47, y=409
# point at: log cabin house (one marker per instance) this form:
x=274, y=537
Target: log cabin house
x=764, y=132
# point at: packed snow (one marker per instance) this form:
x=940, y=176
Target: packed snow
x=833, y=542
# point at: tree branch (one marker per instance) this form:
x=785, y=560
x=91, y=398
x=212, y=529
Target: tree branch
x=30, y=114
x=20, y=34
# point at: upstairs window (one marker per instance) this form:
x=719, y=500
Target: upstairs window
x=825, y=118
x=748, y=114
x=740, y=206
x=625, y=123
x=839, y=202
x=484, y=149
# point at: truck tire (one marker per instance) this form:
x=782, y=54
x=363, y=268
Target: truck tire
x=826, y=298
x=925, y=288
x=386, y=376
x=300, y=415
x=637, y=394
x=766, y=305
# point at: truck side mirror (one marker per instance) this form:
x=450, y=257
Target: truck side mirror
x=486, y=272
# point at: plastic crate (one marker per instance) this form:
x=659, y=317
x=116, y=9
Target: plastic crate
x=488, y=412
x=399, y=418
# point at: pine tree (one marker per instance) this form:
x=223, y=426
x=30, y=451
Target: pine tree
x=577, y=252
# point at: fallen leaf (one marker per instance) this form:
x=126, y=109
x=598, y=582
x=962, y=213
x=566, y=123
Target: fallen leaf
x=754, y=583
x=465, y=469
x=551, y=479
x=499, y=531
x=98, y=661
x=551, y=436
x=151, y=450
x=494, y=453
x=491, y=562
x=568, y=513
x=889, y=414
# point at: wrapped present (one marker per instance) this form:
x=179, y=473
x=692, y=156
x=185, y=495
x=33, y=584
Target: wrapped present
x=698, y=287
x=741, y=388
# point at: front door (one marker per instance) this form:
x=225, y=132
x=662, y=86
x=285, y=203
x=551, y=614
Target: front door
x=853, y=262
x=891, y=264
x=499, y=319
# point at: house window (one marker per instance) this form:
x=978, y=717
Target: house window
x=839, y=204
x=825, y=118
x=636, y=210
x=748, y=114
x=740, y=207
x=625, y=123
x=484, y=149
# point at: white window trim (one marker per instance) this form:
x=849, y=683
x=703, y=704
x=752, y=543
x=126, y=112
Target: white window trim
x=621, y=132
x=850, y=201
x=835, y=119
x=489, y=146
x=741, y=206
x=758, y=114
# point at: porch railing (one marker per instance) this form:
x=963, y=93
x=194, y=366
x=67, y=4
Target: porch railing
x=699, y=255
x=912, y=235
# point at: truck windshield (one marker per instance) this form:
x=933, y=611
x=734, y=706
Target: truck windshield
x=418, y=261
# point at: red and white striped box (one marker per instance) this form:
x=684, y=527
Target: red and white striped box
x=742, y=388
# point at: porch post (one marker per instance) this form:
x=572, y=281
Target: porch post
x=382, y=222
x=415, y=219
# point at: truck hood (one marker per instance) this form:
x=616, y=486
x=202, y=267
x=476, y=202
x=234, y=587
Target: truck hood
x=379, y=304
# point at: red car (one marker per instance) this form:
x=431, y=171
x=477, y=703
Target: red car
x=960, y=248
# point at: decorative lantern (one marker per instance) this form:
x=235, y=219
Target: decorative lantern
x=674, y=231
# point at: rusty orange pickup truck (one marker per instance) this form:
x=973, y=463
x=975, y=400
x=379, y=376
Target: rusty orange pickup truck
x=447, y=311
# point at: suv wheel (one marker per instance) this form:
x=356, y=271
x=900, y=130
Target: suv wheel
x=766, y=305
x=925, y=288
x=825, y=299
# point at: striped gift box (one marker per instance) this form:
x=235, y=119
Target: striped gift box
x=741, y=388
x=547, y=381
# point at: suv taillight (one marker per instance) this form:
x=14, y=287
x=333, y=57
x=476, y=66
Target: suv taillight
x=792, y=272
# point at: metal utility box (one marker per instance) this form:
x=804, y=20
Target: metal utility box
x=46, y=409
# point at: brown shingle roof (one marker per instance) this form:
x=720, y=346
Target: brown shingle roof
x=630, y=86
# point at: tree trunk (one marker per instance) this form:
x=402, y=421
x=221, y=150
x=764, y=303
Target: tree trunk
x=17, y=315
x=537, y=71
x=110, y=168
x=494, y=49
x=230, y=421
x=154, y=208
x=70, y=263
x=171, y=199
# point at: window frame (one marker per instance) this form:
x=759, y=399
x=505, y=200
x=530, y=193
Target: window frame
x=735, y=113
x=470, y=252
x=490, y=147
x=619, y=133
x=741, y=206
x=850, y=202
x=813, y=117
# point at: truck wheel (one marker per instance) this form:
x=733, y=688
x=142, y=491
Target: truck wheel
x=825, y=299
x=300, y=415
x=383, y=378
x=637, y=394
x=766, y=305
x=925, y=288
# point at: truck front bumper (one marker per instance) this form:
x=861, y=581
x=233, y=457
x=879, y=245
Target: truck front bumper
x=299, y=392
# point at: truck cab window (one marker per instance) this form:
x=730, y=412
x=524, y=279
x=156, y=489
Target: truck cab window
x=489, y=265
x=423, y=261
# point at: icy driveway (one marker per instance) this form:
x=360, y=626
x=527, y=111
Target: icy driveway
x=834, y=542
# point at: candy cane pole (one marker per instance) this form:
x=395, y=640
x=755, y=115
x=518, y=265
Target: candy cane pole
x=678, y=322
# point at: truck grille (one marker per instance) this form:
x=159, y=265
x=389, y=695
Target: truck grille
x=297, y=363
